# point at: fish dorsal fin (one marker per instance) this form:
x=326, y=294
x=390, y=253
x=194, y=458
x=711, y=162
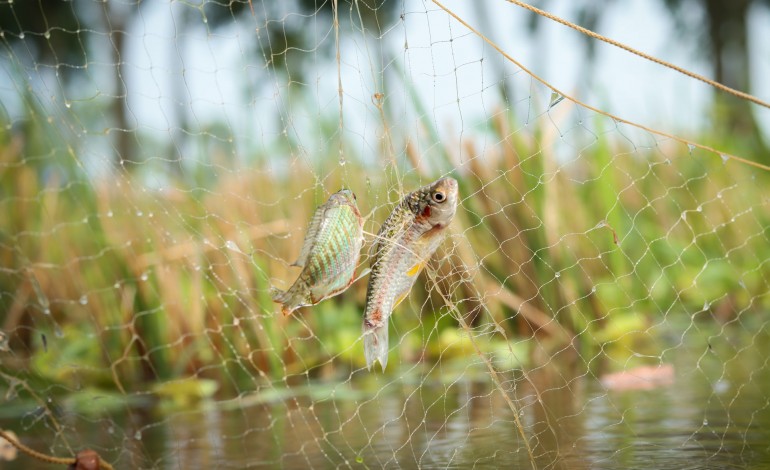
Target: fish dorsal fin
x=311, y=235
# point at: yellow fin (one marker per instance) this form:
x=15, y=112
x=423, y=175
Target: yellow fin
x=414, y=270
x=400, y=299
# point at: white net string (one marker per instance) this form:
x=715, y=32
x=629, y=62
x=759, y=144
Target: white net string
x=600, y=301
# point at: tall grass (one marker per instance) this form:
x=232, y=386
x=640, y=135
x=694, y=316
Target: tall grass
x=110, y=284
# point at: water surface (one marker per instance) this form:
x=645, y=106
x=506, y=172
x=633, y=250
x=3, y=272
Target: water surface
x=714, y=413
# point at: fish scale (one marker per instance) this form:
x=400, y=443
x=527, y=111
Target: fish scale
x=329, y=254
x=407, y=239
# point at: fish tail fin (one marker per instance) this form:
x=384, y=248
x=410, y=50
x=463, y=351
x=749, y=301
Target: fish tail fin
x=375, y=344
x=290, y=299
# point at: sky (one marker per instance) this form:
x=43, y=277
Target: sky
x=217, y=82
x=441, y=60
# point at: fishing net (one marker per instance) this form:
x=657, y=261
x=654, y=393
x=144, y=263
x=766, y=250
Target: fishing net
x=600, y=300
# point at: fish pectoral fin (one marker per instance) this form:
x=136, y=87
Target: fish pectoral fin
x=415, y=270
x=400, y=299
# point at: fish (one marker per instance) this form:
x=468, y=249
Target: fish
x=329, y=255
x=404, y=244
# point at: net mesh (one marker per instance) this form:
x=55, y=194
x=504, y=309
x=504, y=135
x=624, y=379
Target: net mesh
x=601, y=299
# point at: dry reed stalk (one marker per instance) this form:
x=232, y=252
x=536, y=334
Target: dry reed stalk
x=189, y=249
x=530, y=313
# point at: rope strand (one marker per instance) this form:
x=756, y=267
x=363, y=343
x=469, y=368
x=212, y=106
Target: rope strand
x=44, y=457
x=592, y=34
x=594, y=109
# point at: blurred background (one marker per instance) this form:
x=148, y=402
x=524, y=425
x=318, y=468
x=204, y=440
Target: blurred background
x=152, y=80
x=160, y=162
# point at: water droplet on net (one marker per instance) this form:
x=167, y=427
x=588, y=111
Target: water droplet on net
x=690, y=148
x=138, y=435
x=231, y=245
x=705, y=422
x=558, y=274
x=47, y=35
x=67, y=104
x=47, y=311
x=83, y=299
x=144, y=276
x=109, y=213
x=139, y=213
x=721, y=386
x=57, y=331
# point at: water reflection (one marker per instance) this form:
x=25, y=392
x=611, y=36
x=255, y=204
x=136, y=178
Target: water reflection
x=571, y=422
x=715, y=413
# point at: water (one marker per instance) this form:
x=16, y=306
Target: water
x=713, y=413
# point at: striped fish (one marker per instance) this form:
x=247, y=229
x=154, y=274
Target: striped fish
x=329, y=254
x=405, y=242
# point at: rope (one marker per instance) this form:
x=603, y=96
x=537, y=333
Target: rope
x=641, y=54
x=596, y=110
x=44, y=457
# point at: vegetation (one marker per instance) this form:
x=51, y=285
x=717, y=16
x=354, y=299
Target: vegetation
x=719, y=33
x=113, y=286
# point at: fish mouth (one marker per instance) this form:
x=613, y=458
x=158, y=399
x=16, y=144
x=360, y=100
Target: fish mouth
x=344, y=196
x=447, y=182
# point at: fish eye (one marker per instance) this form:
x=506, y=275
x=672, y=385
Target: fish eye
x=439, y=197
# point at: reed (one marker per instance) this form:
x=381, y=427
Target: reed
x=129, y=285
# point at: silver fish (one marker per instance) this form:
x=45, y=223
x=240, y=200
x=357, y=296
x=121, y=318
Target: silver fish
x=405, y=243
x=329, y=254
